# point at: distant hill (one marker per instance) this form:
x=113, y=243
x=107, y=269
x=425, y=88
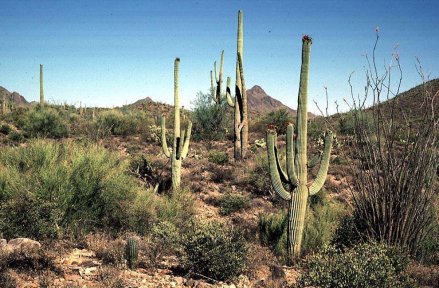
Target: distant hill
x=13, y=97
x=260, y=103
x=410, y=103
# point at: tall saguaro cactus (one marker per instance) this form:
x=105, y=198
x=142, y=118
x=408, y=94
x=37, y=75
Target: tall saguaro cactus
x=216, y=91
x=240, y=102
x=180, y=147
x=41, y=86
x=293, y=186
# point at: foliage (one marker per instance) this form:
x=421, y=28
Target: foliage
x=353, y=120
x=214, y=250
x=218, y=157
x=259, y=176
x=44, y=122
x=278, y=118
x=5, y=129
x=210, y=121
x=49, y=188
x=122, y=123
x=365, y=265
x=321, y=221
x=230, y=203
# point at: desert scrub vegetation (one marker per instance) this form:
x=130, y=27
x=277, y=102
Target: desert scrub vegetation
x=50, y=189
x=365, y=265
x=214, y=250
x=211, y=121
x=46, y=122
x=218, y=157
x=322, y=217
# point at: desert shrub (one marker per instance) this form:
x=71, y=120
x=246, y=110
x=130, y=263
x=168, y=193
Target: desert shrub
x=16, y=136
x=44, y=122
x=163, y=240
x=49, y=188
x=218, y=157
x=5, y=129
x=321, y=222
x=210, y=121
x=278, y=118
x=110, y=251
x=220, y=174
x=365, y=265
x=231, y=203
x=347, y=122
x=259, y=176
x=214, y=250
x=121, y=123
x=349, y=232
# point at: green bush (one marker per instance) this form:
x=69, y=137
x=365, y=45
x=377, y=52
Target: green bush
x=347, y=122
x=47, y=189
x=122, y=123
x=259, y=176
x=278, y=118
x=321, y=222
x=218, y=157
x=5, y=129
x=210, y=121
x=214, y=250
x=16, y=136
x=230, y=203
x=365, y=265
x=44, y=122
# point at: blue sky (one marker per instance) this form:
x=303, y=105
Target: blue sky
x=109, y=53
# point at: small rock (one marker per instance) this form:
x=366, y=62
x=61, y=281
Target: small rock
x=179, y=280
x=22, y=244
x=191, y=283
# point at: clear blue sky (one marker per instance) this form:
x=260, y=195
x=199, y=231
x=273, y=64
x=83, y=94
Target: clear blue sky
x=109, y=53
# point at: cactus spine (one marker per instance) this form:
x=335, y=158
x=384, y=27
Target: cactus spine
x=180, y=146
x=240, y=102
x=216, y=91
x=293, y=185
x=41, y=86
x=131, y=252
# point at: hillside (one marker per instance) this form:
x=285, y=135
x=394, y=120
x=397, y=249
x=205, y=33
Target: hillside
x=12, y=96
x=259, y=102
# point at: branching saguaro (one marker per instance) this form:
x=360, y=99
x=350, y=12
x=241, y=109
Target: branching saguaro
x=216, y=89
x=293, y=185
x=240, y=101
x=182, y=137
x=397, y=157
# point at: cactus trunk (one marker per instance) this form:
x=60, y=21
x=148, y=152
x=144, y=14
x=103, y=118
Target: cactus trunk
x=180, y=145
x=41, y=86
x=296, y=178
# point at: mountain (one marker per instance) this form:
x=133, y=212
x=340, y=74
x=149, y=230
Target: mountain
x=13, y=97
x=260, y=103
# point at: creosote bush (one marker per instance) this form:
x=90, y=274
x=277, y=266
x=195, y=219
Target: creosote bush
x=218, y=157
x=365, y=265
x=230, y=203
x=44, y=122
x=214, y=250
x=50, y=190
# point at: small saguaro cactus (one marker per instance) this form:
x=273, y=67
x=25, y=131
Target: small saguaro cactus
x=216, y=91
x=131, y=252
x=41, y=86
x=240, y=101
x=293, y=186
x=182, y=137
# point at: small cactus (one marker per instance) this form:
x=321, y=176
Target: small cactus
x=131, y=252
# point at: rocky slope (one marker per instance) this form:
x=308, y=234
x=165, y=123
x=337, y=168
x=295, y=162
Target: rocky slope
x=12, y=96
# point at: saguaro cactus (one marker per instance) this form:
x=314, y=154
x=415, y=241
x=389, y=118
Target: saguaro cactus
x=240, y=102
x=41, y=86
x=216, y=91
x=131, y=252
x=293, y=185
x=180, y=147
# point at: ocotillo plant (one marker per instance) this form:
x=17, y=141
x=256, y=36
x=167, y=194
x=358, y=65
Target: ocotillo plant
x=41, y=86
x=180, y=147
x=216, y=91
x=240, y=102
x=293, y=186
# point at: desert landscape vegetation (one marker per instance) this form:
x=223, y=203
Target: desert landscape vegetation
x=238, y=190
